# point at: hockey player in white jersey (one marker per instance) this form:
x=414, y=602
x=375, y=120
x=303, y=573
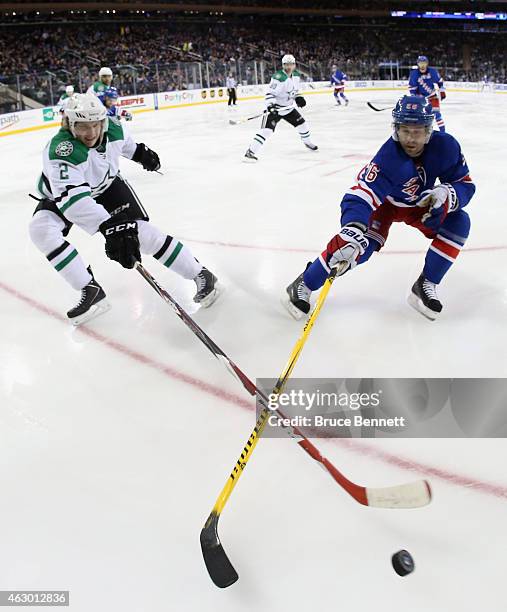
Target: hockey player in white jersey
x=81, y=184
x=104, y=82
x=64, y=98
x=282, y=101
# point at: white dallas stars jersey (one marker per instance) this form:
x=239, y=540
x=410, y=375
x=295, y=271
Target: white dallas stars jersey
x=282, y=91
x=73, y=175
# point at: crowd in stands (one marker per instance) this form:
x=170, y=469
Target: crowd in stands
x=162, y=56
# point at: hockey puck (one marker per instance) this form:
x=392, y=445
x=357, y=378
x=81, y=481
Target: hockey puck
x=403, y=563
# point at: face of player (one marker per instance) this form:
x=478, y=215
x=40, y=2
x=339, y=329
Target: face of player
x=412, y=139
x=88, y=132
x=108, y=102
x=107, y=80
x=423, y=66
x=289, y=68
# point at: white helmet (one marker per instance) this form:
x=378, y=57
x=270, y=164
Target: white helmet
x=69, y=90
x=288, y=59
x=87, y=108
x=104, y=71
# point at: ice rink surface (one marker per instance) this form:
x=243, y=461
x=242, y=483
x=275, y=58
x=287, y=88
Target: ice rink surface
x=117, y=437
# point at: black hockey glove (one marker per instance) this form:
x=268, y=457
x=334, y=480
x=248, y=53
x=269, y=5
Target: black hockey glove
x=148, y=159
x=273, y=109
x=122, y=240
x=300, y=101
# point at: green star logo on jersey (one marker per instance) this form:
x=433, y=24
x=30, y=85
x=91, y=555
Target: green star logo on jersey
x=65, y=148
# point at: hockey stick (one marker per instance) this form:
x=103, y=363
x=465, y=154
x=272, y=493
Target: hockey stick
x=378, y=109
x=245, y=119
x=221, y=571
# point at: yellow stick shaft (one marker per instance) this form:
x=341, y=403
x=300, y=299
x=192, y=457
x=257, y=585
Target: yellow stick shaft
x=263, y=416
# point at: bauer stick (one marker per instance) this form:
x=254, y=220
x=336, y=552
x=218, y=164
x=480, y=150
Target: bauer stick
x=223, y=574
x=245, y=119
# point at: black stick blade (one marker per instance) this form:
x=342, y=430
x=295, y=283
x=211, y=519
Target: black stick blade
x=217, y=562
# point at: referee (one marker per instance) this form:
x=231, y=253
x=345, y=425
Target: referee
x=231, y=85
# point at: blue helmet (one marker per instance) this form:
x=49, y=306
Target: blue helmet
x=110, y=92
x=422, y=58
x=413, y=110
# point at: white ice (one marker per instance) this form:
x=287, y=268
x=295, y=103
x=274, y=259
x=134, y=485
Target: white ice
x=117, y=438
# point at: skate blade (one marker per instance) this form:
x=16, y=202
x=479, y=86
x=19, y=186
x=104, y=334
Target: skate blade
x=249, y=160
x=95, y=311
x=294, y=312
x=212, y=297
x=418, y=305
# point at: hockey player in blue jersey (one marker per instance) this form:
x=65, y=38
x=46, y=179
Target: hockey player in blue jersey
x=338, y=79
x=400, y=185
x=422, y=81
x=109, y=98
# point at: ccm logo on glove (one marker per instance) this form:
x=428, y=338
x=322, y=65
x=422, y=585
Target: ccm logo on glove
x=121, y=227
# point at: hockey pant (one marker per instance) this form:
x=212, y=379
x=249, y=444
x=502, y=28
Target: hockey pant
x=49, y=229
x=446, y=242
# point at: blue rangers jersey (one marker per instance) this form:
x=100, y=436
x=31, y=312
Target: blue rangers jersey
x=338, y=78
x=395, y=177
x=423, y=83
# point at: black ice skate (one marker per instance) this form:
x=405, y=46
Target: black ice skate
x=250, y=157
x=424, y=298
x=208, y=288
x=311, y=146
x=92, y=304
x=298, y=300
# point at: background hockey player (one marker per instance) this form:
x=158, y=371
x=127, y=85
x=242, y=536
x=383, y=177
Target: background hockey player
x=105, y=80
x=398, y=185
x=64, y=98
x=281, y=101
x=109, y=99
x=338, y=79
x=81, y=184
x=426, y=81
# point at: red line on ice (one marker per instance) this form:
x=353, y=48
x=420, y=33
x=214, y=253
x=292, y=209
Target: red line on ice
x=133, y=354
x=498, y=491
x=256, y=247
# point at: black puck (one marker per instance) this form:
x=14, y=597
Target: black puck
x=403, y=563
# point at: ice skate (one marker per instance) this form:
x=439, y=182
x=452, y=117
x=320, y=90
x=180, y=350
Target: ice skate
x=297, y=301
x=92, y=303
x=423, y=298
x=208, y=288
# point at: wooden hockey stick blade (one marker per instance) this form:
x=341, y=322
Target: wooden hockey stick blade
x=411, y=495
x=375, y=108
x=217, y=562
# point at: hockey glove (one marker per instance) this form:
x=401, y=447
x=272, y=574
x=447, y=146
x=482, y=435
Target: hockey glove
x=273, y=109
x=348, y=245
x=440, y=201
x=126, y=115
x=300, y=101
x=148, y=159
x=122, y=240
x=443, y=95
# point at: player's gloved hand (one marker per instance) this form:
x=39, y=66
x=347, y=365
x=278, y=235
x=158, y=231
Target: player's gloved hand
x=300, y=101
x=439, y=201
x=126, y=115
x=273, y=109
x=348, y=245
x=443, y=95
x=148, y=159
x=122, y=240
